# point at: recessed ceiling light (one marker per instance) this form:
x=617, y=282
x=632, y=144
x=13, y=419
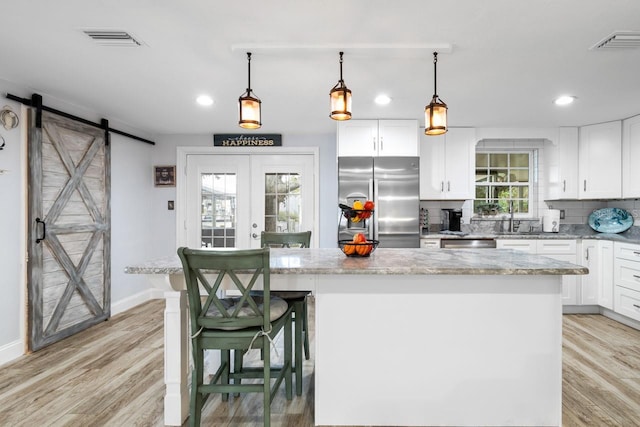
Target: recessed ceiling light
x=564, y=100
x=382, y=99
x=204, y=100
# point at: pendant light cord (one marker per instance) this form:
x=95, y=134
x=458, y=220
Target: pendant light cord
x=435, y=74
x=249, y=72
x=341, y=53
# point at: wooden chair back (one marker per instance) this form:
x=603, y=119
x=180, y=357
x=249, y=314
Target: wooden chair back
x=243, y=268
x=285, y=240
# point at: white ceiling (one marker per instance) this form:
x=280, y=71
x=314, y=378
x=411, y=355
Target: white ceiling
x=509, y=60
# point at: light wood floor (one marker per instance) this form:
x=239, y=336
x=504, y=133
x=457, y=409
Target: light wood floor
x=111, y=375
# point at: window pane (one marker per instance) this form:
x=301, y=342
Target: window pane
x=482, y=160
x=482, y=175
x=499, y=175
x=481, y=192
x=498, y=160
x=519, y=175
x=519, y=160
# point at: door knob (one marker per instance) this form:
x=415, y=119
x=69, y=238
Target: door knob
x=254, y=235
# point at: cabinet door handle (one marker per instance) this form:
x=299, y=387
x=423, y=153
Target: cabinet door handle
x=636, y=276
x=586, y=254
x=381, y=143
x=448, y=185
x=373, y=139
x=636, y=253
x=585, y=185
x=442, y=186
x=636, y=305
x=564, y=185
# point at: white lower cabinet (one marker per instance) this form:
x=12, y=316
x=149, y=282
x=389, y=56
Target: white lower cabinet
x=626, y=280
x=588, y=257
x=430, y=243
x=562, y=250
x=605, y=279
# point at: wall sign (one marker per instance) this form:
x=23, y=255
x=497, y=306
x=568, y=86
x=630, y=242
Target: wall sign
x=241, y=140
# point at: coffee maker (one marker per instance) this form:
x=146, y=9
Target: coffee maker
x=451, y=219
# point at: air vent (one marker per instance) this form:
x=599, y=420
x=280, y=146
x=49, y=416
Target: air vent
x=113, y=38
x=619, y=40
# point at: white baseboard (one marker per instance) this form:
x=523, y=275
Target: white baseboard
x=11, y=351
x=620, y=318
x=125, y=304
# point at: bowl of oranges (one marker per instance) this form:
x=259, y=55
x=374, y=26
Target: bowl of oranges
x=359, y=246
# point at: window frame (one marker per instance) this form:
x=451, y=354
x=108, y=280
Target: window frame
x=530, y=184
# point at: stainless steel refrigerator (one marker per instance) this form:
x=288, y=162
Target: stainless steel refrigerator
x=393, y=184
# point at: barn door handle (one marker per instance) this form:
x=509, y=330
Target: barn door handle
x=44, y=230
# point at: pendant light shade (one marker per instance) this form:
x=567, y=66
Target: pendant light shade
x=340, y=97
x=249, y=104
x=435, y=114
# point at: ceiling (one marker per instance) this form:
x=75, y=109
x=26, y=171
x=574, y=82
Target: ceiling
x=508, y=60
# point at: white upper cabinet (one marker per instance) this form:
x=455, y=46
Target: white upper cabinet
x=447, y=165
x=365, y=138
x=631, y=157
x=562, y=165
x=599, y=163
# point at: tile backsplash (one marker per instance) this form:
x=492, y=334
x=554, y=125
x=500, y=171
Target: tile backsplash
x=576, y=212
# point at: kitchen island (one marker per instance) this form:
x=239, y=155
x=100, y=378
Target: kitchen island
x=411, y=336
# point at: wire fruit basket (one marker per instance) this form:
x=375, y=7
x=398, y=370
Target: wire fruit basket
x=349, y=248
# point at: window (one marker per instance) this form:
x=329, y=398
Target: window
x=218, y=213
x=282, y=207
x=502, y=177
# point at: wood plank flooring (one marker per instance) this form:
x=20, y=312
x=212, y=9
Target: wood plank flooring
x=111, y=375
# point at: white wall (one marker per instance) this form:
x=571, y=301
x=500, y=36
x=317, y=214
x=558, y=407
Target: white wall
x=131, y=192
x=164, y=221
x=12, y=247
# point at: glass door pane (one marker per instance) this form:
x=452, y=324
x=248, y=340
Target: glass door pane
x=218, y=218
x=282, y=208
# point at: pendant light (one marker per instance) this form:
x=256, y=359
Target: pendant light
x=249, y=104
x=340, y=97
x=435, y=114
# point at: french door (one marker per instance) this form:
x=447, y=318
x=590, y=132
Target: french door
x=232, y=198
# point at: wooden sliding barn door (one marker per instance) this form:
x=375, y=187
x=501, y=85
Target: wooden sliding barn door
x=69, y=277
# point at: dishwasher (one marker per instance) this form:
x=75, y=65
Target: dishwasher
x=467, y=243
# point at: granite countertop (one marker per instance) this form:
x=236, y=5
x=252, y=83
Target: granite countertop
x=572, y=232
x=394, y=261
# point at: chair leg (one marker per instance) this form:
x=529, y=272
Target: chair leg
x=298, y=309
x=287, y=359
x=237, y=366
x=305, y=327
x=266, y=390
x=225, y=357
x=197, y=399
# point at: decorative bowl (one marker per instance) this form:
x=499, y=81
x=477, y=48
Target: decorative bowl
x=349, y=248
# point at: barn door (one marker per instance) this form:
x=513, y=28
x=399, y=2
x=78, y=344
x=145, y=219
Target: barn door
x=69, y=277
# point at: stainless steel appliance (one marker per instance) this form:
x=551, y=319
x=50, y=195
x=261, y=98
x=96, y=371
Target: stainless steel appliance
x=393, y=184
x=467, y=243
x=451, y=219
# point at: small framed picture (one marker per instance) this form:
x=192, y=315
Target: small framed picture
x=164, y=176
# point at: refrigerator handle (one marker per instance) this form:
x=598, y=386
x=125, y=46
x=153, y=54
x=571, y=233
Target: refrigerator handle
x=373, y=225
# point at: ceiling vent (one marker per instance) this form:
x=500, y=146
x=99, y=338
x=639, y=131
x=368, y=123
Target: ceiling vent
x=619, y=40
x=113, y=38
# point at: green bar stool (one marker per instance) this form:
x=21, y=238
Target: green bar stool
x=297, y=300
x=238, y=324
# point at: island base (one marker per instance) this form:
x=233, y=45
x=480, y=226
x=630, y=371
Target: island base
x=438, y=350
